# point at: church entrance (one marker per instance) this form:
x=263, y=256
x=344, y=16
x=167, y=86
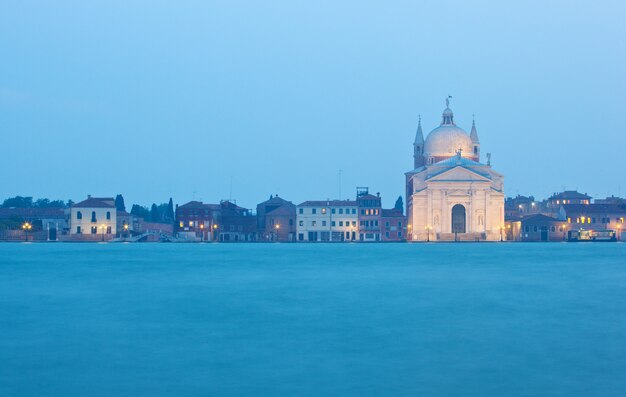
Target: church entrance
x=458, y=219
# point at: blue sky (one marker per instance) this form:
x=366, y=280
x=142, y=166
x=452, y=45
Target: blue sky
x=159, y=99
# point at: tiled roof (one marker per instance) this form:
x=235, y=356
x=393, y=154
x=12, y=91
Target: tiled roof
x=93, y=203
x=455, y=160
x=539, y=218
x=570, y=195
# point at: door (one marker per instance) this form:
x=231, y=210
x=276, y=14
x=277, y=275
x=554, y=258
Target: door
x=458, y=219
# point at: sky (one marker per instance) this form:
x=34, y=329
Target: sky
x=211, y=100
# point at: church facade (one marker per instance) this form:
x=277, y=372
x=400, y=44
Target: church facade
x=451, y=195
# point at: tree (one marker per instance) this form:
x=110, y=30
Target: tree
x=18, y=202
x=154, y=213
x=119, y=203
x=399, y=204
x=169, y=212
x=141, y=212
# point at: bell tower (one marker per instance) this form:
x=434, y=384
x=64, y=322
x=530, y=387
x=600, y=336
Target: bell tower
x=418, y=146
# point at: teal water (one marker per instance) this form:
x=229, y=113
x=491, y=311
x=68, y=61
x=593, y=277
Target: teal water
x=313, y=320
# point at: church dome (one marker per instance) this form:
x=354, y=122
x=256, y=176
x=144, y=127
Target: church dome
x=446, y=140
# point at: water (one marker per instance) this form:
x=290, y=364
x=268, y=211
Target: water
x=312, y=320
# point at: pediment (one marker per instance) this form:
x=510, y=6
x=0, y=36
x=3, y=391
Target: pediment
x=458, y=174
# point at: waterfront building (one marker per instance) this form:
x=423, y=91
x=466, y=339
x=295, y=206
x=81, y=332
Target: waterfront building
x=330, y=220
x=539, y=227
x=93, y=219
x=450, y=194
x=370, y=213
x=48, y=223
x=610, y=200
x=393, y=225
x=226, y=221
x=594, y=217
x=276, y=220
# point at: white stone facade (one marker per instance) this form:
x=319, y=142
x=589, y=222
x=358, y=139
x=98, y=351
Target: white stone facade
x=456, y=198
x=331, y=221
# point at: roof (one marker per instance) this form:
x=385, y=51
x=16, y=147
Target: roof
x=94, y=203
x=539, y=218
x=569, y=194
x=328, y=203
x=198, y=205
x=275, y=200
x=594, y=208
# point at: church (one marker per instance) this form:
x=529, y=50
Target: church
x=451, y=195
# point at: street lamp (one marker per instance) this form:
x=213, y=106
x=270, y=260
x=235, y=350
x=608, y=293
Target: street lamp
x=276, y=227
x=103, y=227
x=619, y=234
x=428, y=227
x=408, y=227
x=214, y=231
x=126, y=229
x=26, y=227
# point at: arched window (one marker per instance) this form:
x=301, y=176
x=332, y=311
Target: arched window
x=79, y=215
x=93, y=216
x=108, y=214
x=475, y=149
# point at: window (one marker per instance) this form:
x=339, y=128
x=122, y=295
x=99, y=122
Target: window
x=376, y=222
x=399, y=234
x=109, y=215
x=301, y=211
x=527, y=228
x=354, y=223
x=93, y=216
x=290, y=222
x=353, y=211
x=323, y=223
x=362, y=212
x=332, y=223
x=313, y=210
x=323, y=210
x=347, y=235
x=190, y=223
x=313, y=223
x=79, y=215
x=340, y=223
x=534, y=228
x=332, y=211
x=78, y=231
x=181, y=224
x=553, y=229
x=108, y=229
x=400, y=225
x=341, y=210
x=387, y=225
x=94, y=230
x=300, y=235
x=387, y=234
x=301, y=223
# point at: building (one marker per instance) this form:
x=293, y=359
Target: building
x=276, y=220
x=521, y=206
x=451, y=195
x=370, y=213
x=567, y=197
x=594, y=217
x=328, y=221
x=393, y=225
x=539, y=227
x=226, y=221
x=47, y=224
x=93, y=219
x=610, y=200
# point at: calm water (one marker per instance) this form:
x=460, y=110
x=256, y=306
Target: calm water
x=312, y=320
